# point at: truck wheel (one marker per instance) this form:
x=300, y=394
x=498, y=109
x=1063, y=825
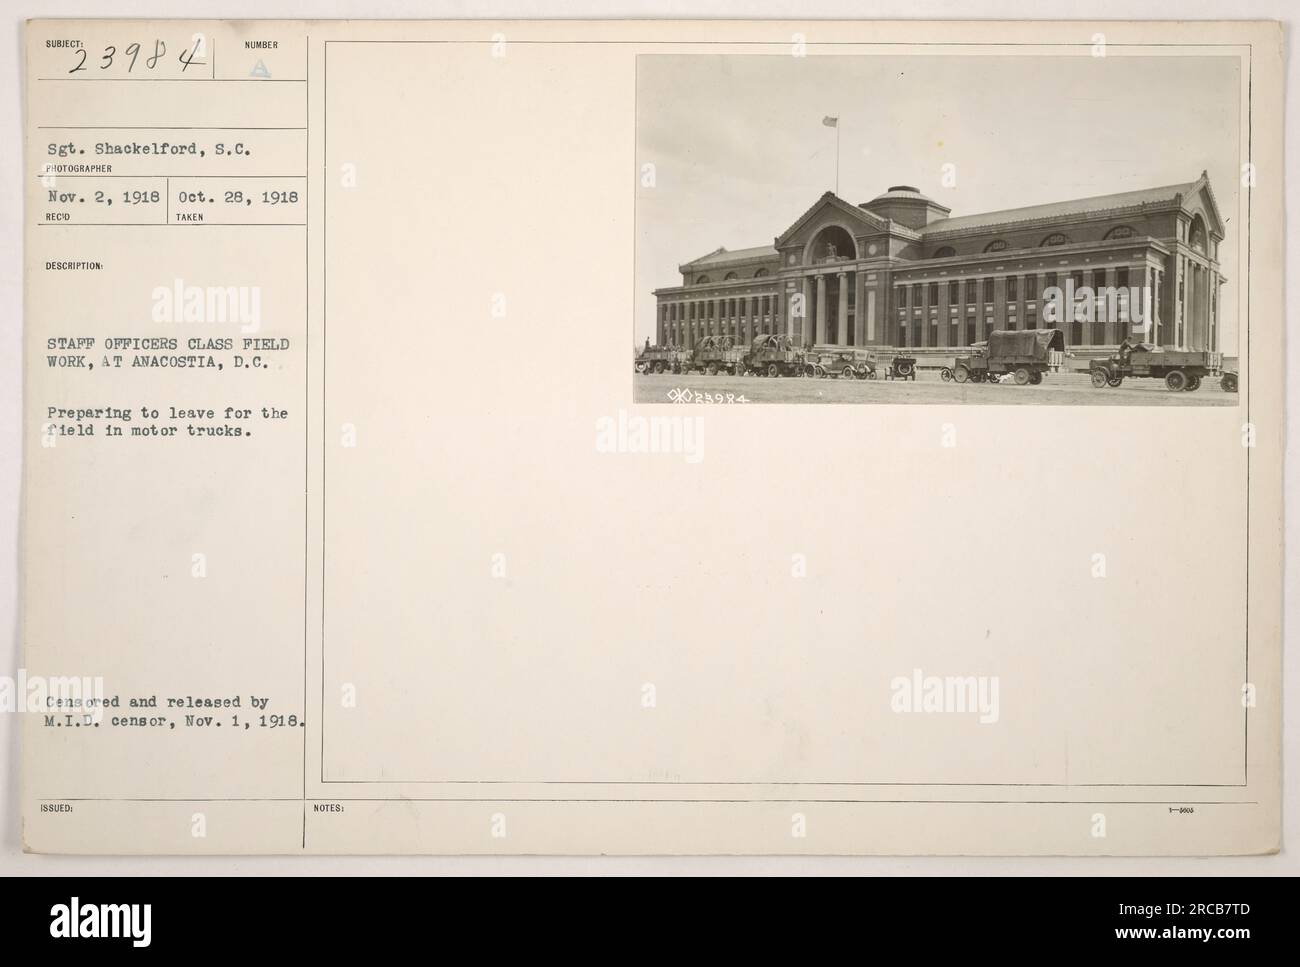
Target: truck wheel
x=905, y=369
x=1193, y=383
x=773, y=371
x=961, y=374
x=1035, y=379
x=1099, y=378
x=847, y=372
x=1022, y=376
x=1229, y=383
x=712, y=370
x=659, y=367
x=1114, y=382
x=1175, y=380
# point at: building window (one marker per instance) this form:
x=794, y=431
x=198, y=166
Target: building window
x=1121, y=278
x=970, y=292
x=1012, y=295
x=1121, y=231
x=902, y=297
x=934, y=294
x=1031, y=290
x=997, y=245
x=1051, y=282
x=902, y=334
x=988, y=290
x=916, y=295
x=946, y=252
x=970, y=332
x=954, y=293
x=730, y=276
x=702, y=280
x=761, y=273
x=1056, y=238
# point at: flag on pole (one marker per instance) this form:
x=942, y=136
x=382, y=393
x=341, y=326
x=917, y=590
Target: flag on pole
x=831, y=122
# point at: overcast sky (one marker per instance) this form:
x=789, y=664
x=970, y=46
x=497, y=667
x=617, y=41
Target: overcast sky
x=741, y=152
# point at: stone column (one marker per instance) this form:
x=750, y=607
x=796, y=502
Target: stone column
x=1103, y=331
x=1157, y=304
x=1203, y=295
x=859, y=308
x=870, y=313
x=1181, y=290
x=842, y=316
x=926, y=306
x=1086, y=327
x=821, y=310
x=801, y=331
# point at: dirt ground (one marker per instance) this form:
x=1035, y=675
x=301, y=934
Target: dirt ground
x=1057, y=389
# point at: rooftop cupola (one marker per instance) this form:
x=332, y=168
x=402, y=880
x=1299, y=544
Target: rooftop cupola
x=907, y=206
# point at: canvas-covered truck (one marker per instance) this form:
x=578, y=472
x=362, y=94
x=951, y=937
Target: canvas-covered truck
x=716, y=354
x=1182, y=370
x=660, y=359
x=839, y=362
x=774, y=354
x=1024, y=353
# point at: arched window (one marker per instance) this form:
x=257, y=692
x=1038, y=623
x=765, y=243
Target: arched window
x=946, y=252
x=761, y=273
x=1196, y=234
x=1056, y=238
x=832, y=244
x=997, y=245
x=730, y=276
x=703, y=279
x=1121, y=231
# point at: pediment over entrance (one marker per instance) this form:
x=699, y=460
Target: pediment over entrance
x=831, y=228
x=1198, y=199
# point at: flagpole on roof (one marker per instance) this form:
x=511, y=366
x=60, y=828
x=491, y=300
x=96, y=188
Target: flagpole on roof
x=834, y=122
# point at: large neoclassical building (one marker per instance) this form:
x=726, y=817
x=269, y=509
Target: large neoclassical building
x=898, y=272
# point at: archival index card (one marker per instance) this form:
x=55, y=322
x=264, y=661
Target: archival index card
x=578, y=437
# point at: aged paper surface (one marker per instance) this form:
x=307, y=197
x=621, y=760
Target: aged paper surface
x=356, y=522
